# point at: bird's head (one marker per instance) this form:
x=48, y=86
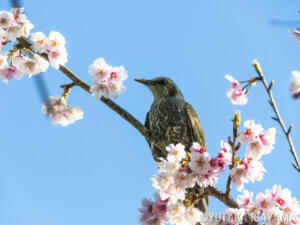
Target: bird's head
x=162, y=87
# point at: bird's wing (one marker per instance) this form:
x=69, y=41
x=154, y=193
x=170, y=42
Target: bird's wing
x=193, y=120
x=147, y=125
x=198, y=136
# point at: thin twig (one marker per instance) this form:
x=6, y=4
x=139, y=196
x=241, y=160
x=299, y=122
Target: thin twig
x=24, y=42
x=286, y=131
x=234, y=148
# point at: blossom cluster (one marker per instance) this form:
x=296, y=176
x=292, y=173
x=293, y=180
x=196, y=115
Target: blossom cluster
x=178, y=172
x=13, y=24
x=236, y=93
x=15, y=64
x=276, y=206
x=108, y=80
x=59, y=111
x=53, y=45
x=259, y=142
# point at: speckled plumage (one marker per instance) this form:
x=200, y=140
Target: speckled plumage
x=172, y=120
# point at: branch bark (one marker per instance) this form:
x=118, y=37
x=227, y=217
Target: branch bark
x=278, y=118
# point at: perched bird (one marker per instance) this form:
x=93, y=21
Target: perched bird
x=171, y=119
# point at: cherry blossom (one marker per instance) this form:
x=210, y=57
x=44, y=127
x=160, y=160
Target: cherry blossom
x=196, y=147
x=245, y=199
x=60, y=112
x=15, y=24
x=153, y=213
x=178, y=214
x=167, y=168
x=295, y=34
x=55, y=42
x=175, y=152
x=10, y=72
x=167, y=188
x=184, y=179
x=6, y=19
x=234, y=216
x=57, y=58
x=236, y=93
x=295, y=84
x=273, y=216
x=39, y=40
x=224, y=158
x=108, y=80
x=175, y=213
x=200, y=162
x=262, y=145
x=209, y=178
x=31, y=66
x=3, y=61
x=264, y=201
x=53, y=45
x=252, y=131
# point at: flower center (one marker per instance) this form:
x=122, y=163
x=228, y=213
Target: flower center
x=113, y=75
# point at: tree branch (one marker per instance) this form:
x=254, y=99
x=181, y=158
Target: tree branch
x=223, y=197
x=24, y=42
x=286, y=131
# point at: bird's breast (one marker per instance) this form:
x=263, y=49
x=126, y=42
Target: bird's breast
x=168, y=121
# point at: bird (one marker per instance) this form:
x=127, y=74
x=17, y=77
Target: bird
x=171, y=120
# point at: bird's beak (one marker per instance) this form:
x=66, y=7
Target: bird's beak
x=145, y=82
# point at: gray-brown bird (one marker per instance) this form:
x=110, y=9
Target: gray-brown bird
x=171, y=119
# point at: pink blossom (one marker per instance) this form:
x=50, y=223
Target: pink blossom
x=59, y=112
x=249, y=169
x=280, y=196
x=196, y=147
x=264, y=201
x=108, y=80
x=6, y=19
x=55, y=42
x=239, y=176
x=234, y=216
x=39, y=42
x=166, y=168
x=252, y=131
x=255, y=169
x=273, y=216
x=236, y=93
x=224, y=157
x=167, y=188
x=57, y=58
x=295, y=34
x=245, y=199
x=263, y=144
x=210, y=178
x=200, y=162
x=295, y=84
x=175, y=152
x=9, y=73
x=184, y=179
x=153, y=213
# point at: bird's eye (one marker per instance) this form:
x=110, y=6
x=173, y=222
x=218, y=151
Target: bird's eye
x=164, y=82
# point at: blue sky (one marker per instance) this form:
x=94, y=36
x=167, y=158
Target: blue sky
x=97, y=170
